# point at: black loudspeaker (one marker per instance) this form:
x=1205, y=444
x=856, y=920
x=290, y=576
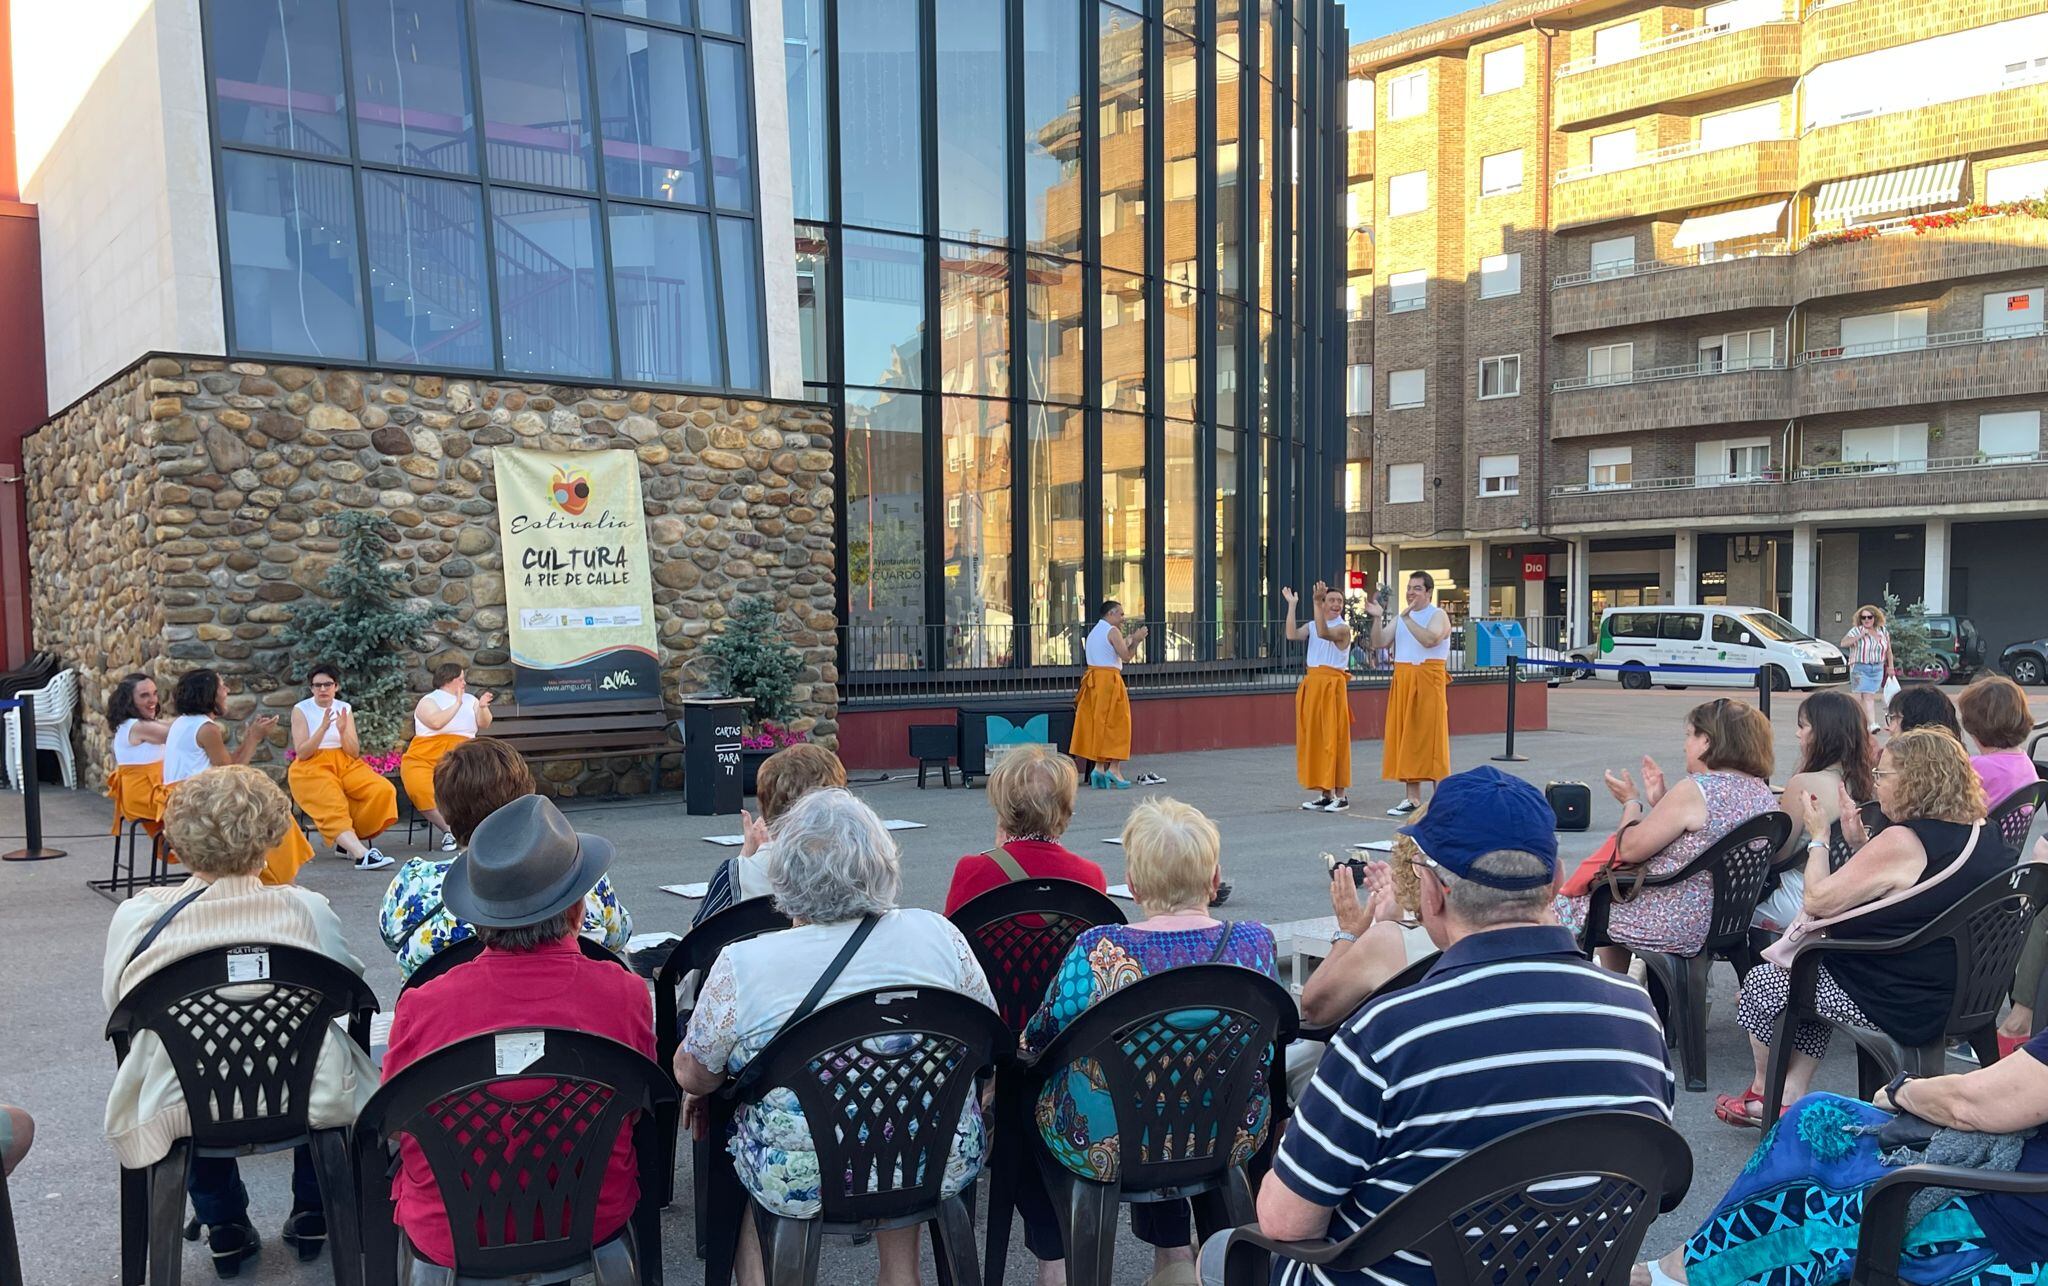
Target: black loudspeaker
x=1573, y=804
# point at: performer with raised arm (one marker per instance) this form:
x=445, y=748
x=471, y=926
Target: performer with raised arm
x=1322, y=705
x=1102, y=709
x=1418, y=740
x=443, y=720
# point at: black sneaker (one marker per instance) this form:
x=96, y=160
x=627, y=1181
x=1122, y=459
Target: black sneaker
x=1337, y=806
x=1315, y=805
x=306, y=1232
x=1403, y=808
x=231, y=1244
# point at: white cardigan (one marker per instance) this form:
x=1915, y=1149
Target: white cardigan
x=146, y=1108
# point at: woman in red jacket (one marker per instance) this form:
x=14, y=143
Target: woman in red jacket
x=1032, y=791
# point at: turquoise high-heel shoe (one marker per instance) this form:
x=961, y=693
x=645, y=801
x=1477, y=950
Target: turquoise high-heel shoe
x=1098, y=779
x=1117, y=783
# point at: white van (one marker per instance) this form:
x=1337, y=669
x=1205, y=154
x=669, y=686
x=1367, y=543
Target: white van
x=1639, y=639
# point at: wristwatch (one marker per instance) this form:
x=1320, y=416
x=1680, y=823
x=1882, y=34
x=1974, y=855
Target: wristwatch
x=1893, y=1086
x=1342, y=935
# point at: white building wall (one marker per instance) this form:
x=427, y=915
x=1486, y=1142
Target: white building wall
x=113, y=137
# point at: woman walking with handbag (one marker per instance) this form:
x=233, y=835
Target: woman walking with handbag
x=1869, y=646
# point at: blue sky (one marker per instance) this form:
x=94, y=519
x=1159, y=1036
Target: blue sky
x=1370, y=18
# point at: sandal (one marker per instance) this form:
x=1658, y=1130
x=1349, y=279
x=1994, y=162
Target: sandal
x=1734, y=1109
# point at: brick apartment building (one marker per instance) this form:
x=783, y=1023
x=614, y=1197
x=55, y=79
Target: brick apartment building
x=1739, y=303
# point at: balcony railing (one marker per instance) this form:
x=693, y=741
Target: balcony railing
x=1651, y=374
x=1646, y=267
x=1676, y=151
x=1940, y=464
x=1676, y=40
x=1936, y=97
x=1914, y=343
x=1686, y=482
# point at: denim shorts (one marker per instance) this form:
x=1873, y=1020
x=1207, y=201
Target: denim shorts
x=1866, y=676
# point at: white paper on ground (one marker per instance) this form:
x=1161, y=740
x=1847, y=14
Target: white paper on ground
x=642, y=941
x=1114, y=840
x=898, y=824
x=726, y=841
x=686, y=890
x=519, y=1050
x=1122, y=891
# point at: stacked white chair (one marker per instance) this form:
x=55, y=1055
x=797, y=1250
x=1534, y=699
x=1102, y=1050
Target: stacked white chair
x=56, y=708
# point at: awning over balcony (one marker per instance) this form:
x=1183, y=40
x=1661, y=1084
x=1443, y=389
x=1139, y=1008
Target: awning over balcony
x=1893, y=192
x=1729, y=225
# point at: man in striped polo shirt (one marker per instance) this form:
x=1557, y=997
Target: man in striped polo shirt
x=1512, y=1026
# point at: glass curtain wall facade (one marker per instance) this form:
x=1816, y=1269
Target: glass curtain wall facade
x=558, y=188
x=1061, y=266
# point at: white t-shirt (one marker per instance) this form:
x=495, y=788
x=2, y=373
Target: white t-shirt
x=1323, y=652
x=314, y=714
x=1100, y=650
x=183, y=755
x=1408, y=649
x=143, y=752
x=462, y=725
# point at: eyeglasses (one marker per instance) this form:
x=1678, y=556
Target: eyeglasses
x=323, y=683
x=1884, y=772
x=1866, y=618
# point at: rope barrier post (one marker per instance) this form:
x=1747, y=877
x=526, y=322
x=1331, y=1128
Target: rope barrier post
x=1507, y=754
x=1763, y=690
x=31, y=795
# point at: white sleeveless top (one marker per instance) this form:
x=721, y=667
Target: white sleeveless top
x=462, y=725
x=146, y=752
x=1323, y=652
x=183, y=755
x=1408, y=650
x=1100, y=651
x=314, y=714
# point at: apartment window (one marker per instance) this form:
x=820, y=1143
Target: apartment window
x=1618, y=43
x=2009, y=435
x=1945, y=68
x=1610, y=363
x=1500, y=275
x=1408, y=95
x=1898, y=448
x=2016, y=183
x=1896, y=331
x=1501, y=70
x=1354, y=486
x=1610, y=467
x=1734, y=15
x=1354, y=303
x=1744, y=125
x=1614, y=257
x=1358, y=389
x=1733, y=460
x=2012, y=312
x=953, y=512
x=1500, y=376
x=1615, y=150
x=1357, y=207
x=1404, y=484
x=1407, y=291
x=1358, y=104
x=1180, y=180
x=1500, y=475
x=1408, y=193
x=1405, y=388
x=1500, y=173
x=1740, y=351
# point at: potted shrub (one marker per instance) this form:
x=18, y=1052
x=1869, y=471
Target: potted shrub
x=360, y=622
x=750, y=657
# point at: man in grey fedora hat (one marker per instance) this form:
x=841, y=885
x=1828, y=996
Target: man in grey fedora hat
x=521, y=883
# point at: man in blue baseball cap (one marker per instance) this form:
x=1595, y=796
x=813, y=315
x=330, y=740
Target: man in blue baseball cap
x=1510, y=1026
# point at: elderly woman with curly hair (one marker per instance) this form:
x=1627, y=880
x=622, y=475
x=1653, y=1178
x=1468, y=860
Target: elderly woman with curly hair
x=835, y=871
x=1931, y=857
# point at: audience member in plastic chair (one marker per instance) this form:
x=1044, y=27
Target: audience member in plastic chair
x=785, y=777
x=1032, y=793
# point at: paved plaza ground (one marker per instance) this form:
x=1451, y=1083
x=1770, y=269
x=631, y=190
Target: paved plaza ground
x=54, y=1062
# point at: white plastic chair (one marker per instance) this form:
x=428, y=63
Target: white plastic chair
x=56, y=708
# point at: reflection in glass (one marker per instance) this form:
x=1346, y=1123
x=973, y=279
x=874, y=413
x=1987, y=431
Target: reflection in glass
x=1268, y=355
x=884, y=305
x=1182, y=370
x=411, y=65
x=536, y=118
x=722, y=16
x=974, y=320
x=661, y=273
x=885, y=567
x=1120, y=124
x=813, y=290
x=1182, y=531
x=1229, y=359
x=976, y=532
x=1229, y=198
x=1052, y=125
x=732, y=156
x=277, y=74
x=551, y=294
x=1123, y=341
x=1055, y=337
x=1268, y=479
x=807, y=70
x=1123, y=511
x=675, y=11
x=1269, y=155
x=292, y=255
x=1229, y=567
x=973, y=121
x=1058, y=526
x=429, y=297
x=739, y=266
x=647, y=102
x=1181, y=136
x=881, y=171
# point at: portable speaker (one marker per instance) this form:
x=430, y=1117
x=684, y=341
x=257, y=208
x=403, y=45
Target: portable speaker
x=1572, y=802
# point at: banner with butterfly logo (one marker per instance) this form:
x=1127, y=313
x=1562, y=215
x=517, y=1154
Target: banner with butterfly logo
x=578, y=597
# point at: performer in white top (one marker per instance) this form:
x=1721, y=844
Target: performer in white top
x=1102, y=709
x=443, y=720
x=135, y=780
x=1322, y=702
x=347, y=799
x=194, y=742
x=1418, y=738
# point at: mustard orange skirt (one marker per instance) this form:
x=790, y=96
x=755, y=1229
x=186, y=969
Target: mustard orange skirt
x=139, y=795
x=342, y=793
x=281, y=864
x=1322, y=730
x=416, y=769
x=1102, y=717
x=1418, y=742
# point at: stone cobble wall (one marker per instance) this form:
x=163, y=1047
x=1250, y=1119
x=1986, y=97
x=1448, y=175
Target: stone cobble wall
x=178, y=516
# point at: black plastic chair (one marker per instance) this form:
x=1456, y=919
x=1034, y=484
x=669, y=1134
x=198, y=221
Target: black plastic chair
x=1738, y=864
x=519, y=1176
x=2015, y=815
x=1986, y=929
x=1020, y=933
x=1212, y=1025
x=690, y=958
x=253, y=1100
x=10, y=1249
x=882, y=1077
x=1880, y=1242
x=1480, y=1220
x=456, y=954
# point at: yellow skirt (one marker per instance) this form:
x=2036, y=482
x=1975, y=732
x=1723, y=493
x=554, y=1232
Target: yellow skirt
x=1418, y=743
x=1322, y=730
x=416, y=769
x=342, y=793
x=139, y=795
x=281, y=864
x=1102, y=717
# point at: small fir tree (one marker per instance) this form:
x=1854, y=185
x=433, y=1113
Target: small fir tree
x=1912, y=648
x=749, y=658
x=361, y=624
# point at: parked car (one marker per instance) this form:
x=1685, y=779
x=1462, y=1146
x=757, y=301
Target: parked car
x=1958, y=650
x=1640, y=639
x=2026, y=662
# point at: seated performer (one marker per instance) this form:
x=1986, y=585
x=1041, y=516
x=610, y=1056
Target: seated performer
x=347, y=799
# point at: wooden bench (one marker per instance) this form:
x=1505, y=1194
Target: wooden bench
x=630, y=727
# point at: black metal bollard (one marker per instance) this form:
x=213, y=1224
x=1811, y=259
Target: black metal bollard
x=1507, y=754
x=1763, y=690
x=31, y=793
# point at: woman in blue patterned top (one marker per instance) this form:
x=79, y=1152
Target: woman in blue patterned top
x=1172, y=857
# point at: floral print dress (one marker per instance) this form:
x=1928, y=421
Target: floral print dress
x=416, y=925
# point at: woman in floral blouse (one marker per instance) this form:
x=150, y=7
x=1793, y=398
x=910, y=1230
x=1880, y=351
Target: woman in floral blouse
x=470, y=783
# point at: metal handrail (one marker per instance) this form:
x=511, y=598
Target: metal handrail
x=1691, y=147
x=1645, y=267
x=1651, y=374
x=1914, y=343
x=1767, y=477
x=1940, y=464
x=1674, y=40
